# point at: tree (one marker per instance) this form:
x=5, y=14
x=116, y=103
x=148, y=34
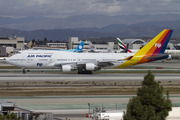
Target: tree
x=2, y=117
x=19, y=118
x=45, y=41
x=149, y=104
x=8, y=117
x=13, y=116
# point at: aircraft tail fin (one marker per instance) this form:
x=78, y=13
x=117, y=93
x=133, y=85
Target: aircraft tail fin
x=122, y=45
x=171, y=46
x=109, y=50
x=31, y=44
x=80, y=47
x=126, y=50
x=92, y=47
x=155, y=47
x=152, y=51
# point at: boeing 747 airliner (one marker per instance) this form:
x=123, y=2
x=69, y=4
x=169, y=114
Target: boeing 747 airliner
x=88, y=62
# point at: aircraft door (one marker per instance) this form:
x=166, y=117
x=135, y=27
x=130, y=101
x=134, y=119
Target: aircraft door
x=28, y=60
x=103, y=59
x=50, y=60
x=78, y=59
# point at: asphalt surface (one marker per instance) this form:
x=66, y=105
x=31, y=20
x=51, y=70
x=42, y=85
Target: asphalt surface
x=64, y=106
x=19, y=77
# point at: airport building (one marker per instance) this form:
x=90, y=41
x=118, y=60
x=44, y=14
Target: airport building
x=57, y=45
x=74, y=42
x=16, y=42
x=134, y=43
x=6, y=51
x=118, y=115
x=7, y=107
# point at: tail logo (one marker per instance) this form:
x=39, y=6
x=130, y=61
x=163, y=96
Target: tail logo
x=92, y=47
x=80, y=47
x=158, y=45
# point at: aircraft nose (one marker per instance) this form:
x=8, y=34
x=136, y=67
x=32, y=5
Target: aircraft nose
x=8, y=60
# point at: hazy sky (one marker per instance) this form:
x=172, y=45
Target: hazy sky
x=64, y=8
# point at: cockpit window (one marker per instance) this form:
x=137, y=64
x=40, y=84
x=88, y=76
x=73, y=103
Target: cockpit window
x=18, y=52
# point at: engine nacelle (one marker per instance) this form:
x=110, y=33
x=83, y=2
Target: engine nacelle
x=66, y=68
x=90, y=66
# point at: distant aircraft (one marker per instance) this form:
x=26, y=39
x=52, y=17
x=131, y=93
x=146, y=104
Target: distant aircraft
x=172, y=52
x=77, y=49
x=123, y=46
x=30, y=45
x=93, y=49
x=171, y=46
x=85, y=63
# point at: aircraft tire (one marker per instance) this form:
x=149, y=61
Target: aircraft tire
x=88, y=72
x=24, y=72
x=80, y=71
x=84, y=72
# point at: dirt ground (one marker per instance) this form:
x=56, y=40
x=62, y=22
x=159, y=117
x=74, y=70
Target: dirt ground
x=78, y=88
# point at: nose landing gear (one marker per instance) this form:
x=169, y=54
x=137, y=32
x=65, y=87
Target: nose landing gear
x=23, y=71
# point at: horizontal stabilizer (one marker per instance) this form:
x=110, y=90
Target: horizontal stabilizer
x=128, y=58
x=158, y=56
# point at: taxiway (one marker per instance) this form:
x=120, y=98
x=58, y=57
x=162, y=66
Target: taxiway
x=19, y=77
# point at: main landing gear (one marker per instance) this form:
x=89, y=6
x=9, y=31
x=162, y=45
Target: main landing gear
x=23, y=71
x=82, y=71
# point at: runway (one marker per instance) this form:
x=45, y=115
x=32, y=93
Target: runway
x=19, y=77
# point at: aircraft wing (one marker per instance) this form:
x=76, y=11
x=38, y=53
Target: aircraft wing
x=83, y=64
x=67, y=63
x=108, y=63
x=105, y=63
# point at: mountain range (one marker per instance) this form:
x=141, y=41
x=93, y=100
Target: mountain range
x=86, y=26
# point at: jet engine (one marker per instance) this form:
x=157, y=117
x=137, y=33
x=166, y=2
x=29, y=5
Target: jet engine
x=90, y=66
x=66, y=68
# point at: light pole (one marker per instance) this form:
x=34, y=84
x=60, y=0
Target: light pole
x=89, y=107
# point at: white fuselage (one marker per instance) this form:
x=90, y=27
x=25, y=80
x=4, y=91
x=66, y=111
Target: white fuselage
x=55, y=59
x=166, y=51
x=173, y=51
